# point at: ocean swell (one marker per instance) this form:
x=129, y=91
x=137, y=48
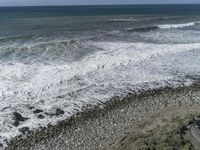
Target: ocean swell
x=164, y=26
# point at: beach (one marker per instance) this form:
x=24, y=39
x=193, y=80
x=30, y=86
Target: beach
x=104, y=128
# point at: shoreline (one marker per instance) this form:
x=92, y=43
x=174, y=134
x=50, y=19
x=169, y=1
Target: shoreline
x=102, y=127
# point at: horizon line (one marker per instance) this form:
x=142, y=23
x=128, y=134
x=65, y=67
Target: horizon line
x=98, y=5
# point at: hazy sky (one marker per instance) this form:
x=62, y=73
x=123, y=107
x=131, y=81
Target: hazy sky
x=88, y=2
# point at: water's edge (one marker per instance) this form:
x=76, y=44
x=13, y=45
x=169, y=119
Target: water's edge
x=33, y=137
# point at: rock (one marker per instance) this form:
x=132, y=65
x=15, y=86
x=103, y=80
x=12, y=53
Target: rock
x=59, y=112
x=184, y=129
x=16, y=123
x=19, y=117
x=41, y=116
x=196, y=122
x=1, y=145
x=31, y=107
x=60, y=96
x=24, y=130
x=37, y=111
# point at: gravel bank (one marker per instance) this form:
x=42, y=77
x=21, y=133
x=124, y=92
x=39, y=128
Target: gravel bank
x=102, y=128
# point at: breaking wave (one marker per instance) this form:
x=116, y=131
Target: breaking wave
x=164, y=26
x=175, y=26
x=116, y=69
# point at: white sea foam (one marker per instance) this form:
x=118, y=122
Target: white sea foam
x=114, y=70
x=174, y=26
x=124, y=19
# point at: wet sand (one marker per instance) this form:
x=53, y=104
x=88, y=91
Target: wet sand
x=103, y=128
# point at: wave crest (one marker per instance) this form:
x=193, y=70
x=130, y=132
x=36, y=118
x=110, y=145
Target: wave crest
x=175, y=26
x=142, y=29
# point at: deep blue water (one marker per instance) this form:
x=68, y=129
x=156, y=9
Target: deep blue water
x=99, y=10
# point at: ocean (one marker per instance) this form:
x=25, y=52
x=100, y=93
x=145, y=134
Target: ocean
x=75, y=57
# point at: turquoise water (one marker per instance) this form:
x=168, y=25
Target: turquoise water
x=78, y=56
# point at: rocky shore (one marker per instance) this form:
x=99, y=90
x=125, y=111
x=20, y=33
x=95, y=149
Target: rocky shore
x=104, y=128
x=177, y=128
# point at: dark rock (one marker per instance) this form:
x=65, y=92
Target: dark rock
x=196, y=122
x=19, y=117
x=41, y=116
x=16, y=123
x=31, y=107
x=1, y=145
x=60, y=96
x=184, y=129
x=59, y=112
x=37, y=111
x=24, y=130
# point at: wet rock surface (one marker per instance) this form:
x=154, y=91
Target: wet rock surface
x=59, y=112
x=16, y=123
x=18, y=117
x=24, y=130
x=36, y=111
x=192, y=133
x=41, y=116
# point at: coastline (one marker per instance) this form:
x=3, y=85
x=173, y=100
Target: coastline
x=100, y=128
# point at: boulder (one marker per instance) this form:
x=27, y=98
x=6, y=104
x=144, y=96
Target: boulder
x=18, y=117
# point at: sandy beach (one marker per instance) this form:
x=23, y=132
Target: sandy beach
x=104, y=128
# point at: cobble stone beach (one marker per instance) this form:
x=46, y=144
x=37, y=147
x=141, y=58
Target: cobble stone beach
x=104, y=128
